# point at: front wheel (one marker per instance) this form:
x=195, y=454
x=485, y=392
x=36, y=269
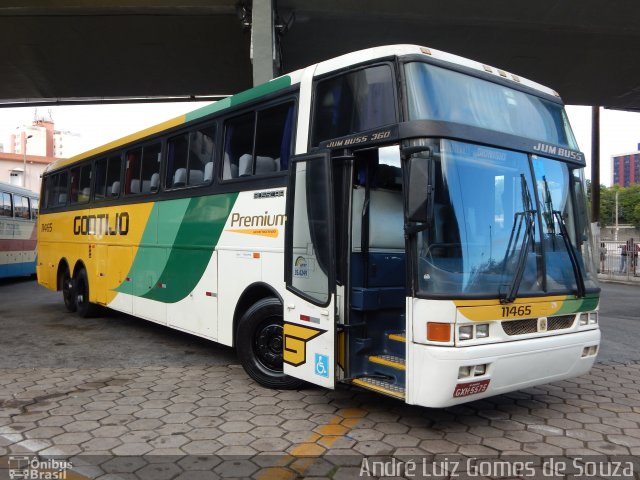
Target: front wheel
x=259, y=343
x=85, y=308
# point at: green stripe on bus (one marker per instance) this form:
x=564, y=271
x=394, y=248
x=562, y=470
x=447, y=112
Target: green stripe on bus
x=251, y=94
x=199, y=233
x=586, y=304
x=159, y=233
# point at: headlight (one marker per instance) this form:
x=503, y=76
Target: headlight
x=482, y=331
x=480, y=370
x=593, y=318
x=584, y=319
x=465, y=332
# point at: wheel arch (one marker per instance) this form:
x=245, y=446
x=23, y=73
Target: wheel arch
x=62, y=264
x=253, y=293
x=79, y=266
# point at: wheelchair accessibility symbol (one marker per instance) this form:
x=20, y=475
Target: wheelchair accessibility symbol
x=322, y=365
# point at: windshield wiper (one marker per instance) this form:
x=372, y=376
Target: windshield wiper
x=575, y=265
x=551, y=216
x=527, y=216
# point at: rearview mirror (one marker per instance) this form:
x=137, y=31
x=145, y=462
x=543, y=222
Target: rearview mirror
x=420, y=189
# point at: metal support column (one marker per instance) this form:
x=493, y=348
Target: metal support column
x=263, y=42
x=595, y=164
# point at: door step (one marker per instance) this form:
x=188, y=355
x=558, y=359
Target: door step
x=397, y=337
x=380, y=386
x=389, y=360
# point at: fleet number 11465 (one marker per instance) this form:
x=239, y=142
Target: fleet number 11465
x=516, y=311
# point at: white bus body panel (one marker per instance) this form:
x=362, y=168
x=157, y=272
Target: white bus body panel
x=433, y=370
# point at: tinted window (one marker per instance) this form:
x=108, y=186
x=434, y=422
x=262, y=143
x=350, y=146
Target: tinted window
x=80, y=184
x=21, y=207
x=5, y=203
x=56, y=187
x=34, y=208
x=107, y=184
x=353, y=102
x=268, y=152
x=238, y=144
x=190, y=158
x=143, y=170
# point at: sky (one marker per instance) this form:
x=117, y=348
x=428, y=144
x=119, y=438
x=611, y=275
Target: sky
x=100, y=124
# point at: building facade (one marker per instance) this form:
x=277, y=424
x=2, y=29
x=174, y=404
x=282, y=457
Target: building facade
x=42, y=139
x=626, y=169
x=31, y=148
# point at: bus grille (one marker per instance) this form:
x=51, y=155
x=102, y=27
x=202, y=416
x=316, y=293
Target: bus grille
x=530, y=325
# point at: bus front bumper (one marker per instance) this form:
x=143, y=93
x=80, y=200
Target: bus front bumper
x=433, y=371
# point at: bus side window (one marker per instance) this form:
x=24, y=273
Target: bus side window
x=101, y=180
x=269, y=153
x=190, y=158
x=238, y=146
x=114, y=167
x=143, y=168
x=353, y=102
x=84, y=184
x=132, y=172
x=20, y=207
x=74, y=184
x=273, y=139
x=60, y=191
x=6, y=205
x=34, y=208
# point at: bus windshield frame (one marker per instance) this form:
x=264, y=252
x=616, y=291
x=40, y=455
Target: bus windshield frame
x=502, y=221
x=442, y=94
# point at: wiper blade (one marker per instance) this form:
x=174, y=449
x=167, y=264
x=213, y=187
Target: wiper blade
x=527, y=216
x=575, y=265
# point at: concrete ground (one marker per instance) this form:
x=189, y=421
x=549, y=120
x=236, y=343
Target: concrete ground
x=118, y=397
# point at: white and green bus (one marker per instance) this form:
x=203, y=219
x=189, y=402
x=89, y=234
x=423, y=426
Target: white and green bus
x=398, y=218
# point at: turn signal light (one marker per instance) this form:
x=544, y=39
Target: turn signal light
x=438, y=332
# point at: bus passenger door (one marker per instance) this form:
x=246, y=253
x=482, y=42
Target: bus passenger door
x=309, y=351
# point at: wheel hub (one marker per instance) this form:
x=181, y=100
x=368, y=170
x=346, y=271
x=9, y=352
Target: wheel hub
x=269, y=346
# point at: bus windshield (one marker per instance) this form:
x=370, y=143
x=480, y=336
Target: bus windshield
x=435, y=93
x=503, y=221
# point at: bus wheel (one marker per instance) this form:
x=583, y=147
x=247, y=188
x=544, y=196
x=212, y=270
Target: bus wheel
x=259, y=345
x=85, y=308
x=68, y=295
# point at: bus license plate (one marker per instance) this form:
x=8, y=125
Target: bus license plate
x=464, y=389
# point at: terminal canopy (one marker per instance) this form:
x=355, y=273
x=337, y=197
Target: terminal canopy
x=72, y=49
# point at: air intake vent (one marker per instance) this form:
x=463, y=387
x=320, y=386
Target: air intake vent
x=530, y=325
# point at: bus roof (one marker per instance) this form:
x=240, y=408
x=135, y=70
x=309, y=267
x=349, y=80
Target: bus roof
x=293, y=78
x=7, y=187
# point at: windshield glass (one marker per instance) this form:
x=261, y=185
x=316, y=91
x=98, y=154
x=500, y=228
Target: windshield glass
x=486, y=235
x=435, y=93
x=561, y=200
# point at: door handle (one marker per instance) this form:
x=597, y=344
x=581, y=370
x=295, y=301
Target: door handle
x=324, y=313
x=291, y=306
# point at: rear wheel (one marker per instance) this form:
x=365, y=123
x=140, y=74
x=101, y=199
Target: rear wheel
x=68, y=294
x=81, y=287
x=259, y=342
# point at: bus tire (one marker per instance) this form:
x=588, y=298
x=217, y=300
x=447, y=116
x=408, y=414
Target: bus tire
x=68, y=291
x=85, y=308
x=259, y=345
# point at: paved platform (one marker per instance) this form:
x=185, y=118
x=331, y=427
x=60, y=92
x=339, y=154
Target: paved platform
x=119, y=398
x=187, y=414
